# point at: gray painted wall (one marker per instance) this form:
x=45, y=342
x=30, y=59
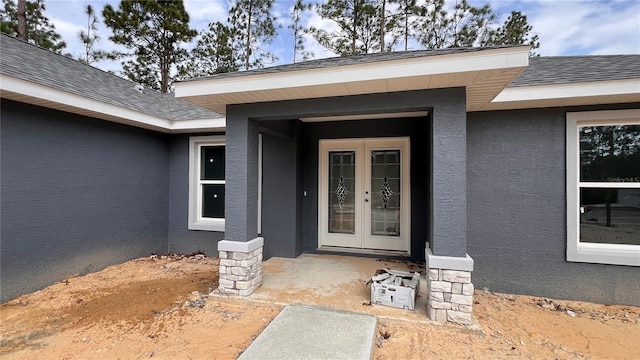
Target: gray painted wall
x=516, y=206
x=281, y=190
x=241, y=174
x=78, y=194
x=448, y=222
x=181, y=239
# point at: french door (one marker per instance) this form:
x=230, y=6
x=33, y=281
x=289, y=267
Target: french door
x=364, y=194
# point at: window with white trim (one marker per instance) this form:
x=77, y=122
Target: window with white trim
x=603, y=187
x=206, y=183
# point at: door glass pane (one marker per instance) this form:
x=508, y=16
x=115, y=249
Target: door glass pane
x=610, y=216
x=212, y=163
x=610, y=153
x=213, y=200
x=385, y=192
x=341, y=192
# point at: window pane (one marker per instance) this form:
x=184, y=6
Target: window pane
x=385, y=192
x=610, y=153
x=342, y=187
x=212, y=163
x=610, y=216
x=213, y=201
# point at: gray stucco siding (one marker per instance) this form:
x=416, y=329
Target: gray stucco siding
x=516, y=211
x=78, y=194
x=180, y=238
x=281, y=191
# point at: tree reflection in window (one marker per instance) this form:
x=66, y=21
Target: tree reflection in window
x=610, y=212
x=610, y=153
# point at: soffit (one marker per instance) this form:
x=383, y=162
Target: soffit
x=484, y=74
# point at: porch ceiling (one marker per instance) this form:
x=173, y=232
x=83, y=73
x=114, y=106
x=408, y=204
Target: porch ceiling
x=484, y=73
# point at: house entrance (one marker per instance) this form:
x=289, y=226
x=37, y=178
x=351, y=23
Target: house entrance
x=364, y=195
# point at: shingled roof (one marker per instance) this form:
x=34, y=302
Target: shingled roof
x=578, y=69
x=23, y=61
x=347, y=60
x=28, y=62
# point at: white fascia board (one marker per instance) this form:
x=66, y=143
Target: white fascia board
x=217, y=124
x=428, y=65
x=33, y=90
x=564, y=91
x=42, y=92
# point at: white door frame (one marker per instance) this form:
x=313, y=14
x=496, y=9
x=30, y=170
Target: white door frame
x=362, y=240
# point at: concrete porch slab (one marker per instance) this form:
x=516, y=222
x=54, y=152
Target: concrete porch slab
x=302, y=332
x=337, y=282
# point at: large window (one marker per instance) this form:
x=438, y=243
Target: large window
x=206, y=183
x=603, y=187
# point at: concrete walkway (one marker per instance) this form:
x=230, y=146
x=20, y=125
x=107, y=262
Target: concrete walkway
x=336, y=282
x=303, y=332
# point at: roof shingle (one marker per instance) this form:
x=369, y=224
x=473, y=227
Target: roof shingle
x=576, y=69
x=31, y=63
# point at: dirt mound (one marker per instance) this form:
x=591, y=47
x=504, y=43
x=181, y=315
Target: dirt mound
x=158, y=307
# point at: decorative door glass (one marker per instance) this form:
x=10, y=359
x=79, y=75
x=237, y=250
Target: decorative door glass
x=342, y=169
x=385, y=192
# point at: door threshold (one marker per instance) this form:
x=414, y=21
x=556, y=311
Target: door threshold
x=393, y=253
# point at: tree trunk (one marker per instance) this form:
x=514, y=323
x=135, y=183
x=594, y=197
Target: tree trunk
x=247, y=58
x=406, y=31
x=295, y=43
x=164, y=66
x=22, y=20
x=610, y=193
x=354, y=34
x=382, y=23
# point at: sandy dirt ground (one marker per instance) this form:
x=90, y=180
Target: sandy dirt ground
x=157, y=308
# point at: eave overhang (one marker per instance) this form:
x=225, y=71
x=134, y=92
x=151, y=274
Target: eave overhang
x=16, y=89
x=568, y=94
x=483, y=73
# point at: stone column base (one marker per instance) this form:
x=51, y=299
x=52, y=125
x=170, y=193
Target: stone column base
x=240, y=266
x=449, y=288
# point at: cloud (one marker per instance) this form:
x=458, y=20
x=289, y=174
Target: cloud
x=207, y=11
x=579, y=27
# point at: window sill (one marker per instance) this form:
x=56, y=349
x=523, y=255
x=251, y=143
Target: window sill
x=611, y=254
x=207, y=226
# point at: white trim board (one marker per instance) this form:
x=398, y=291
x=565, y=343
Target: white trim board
x=571, y=90
x=195, y=219
x=603, y=253
x=36, y=94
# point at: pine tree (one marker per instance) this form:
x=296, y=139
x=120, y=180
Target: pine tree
x=253, y=27
x=154, y=32
x=388, y=22
x=465, y=26
x=38, y=29
x=22, y=20
x=359, y=27
x=405, y=20
x=297, y=30
x=515, y=31
x=212, y=54
x=90, y=37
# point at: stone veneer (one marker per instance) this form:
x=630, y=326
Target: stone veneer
x=240, y=267
x=449, y=289
x=450, y=296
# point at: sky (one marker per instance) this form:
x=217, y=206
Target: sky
x=565, y=27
